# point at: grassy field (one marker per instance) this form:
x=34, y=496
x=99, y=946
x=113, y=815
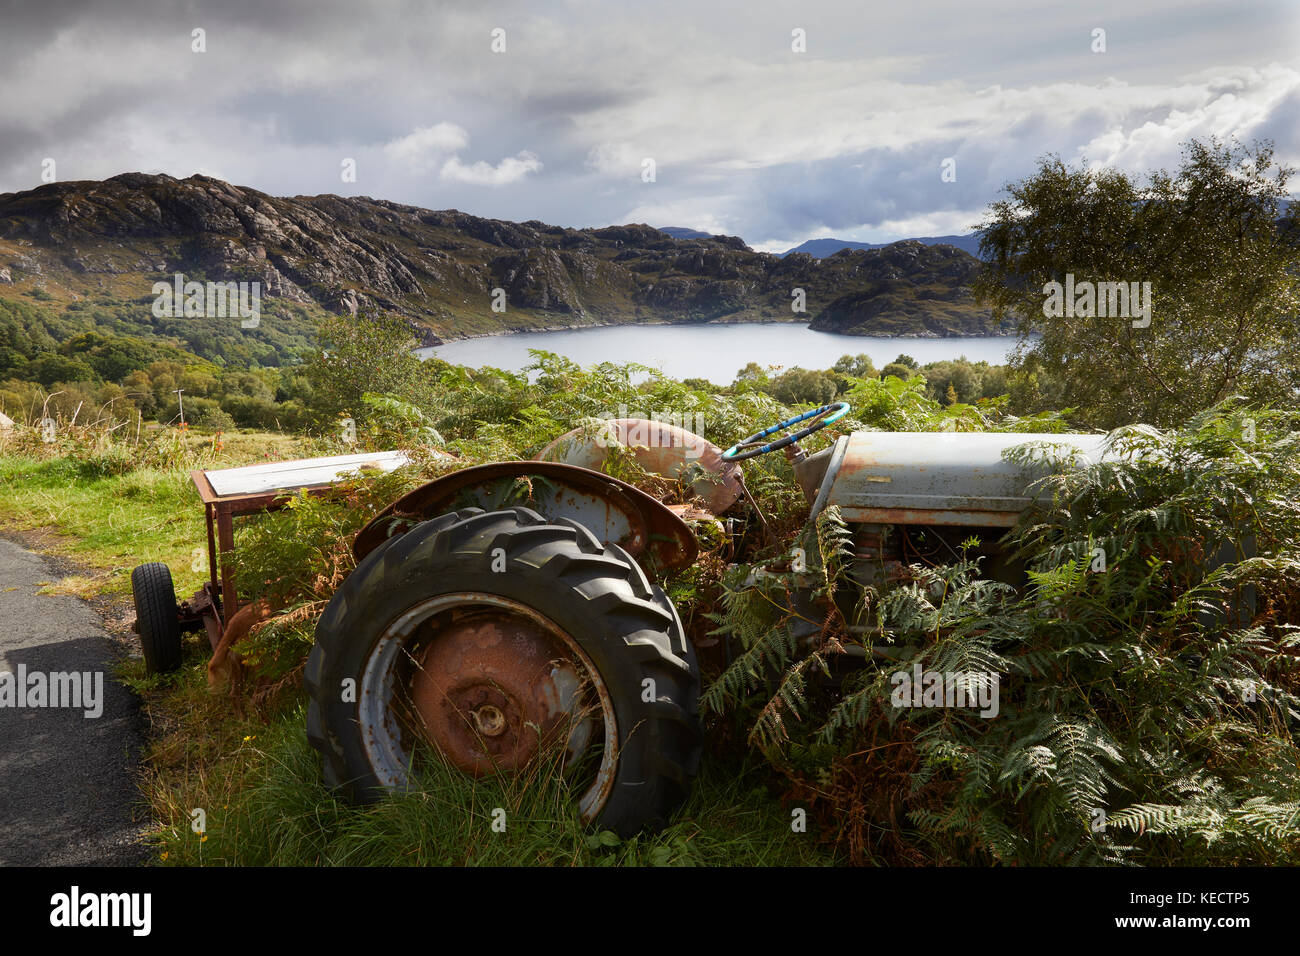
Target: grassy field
x=111, y=523
x=246, y=765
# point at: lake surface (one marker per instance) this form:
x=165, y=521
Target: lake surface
x=713, y=352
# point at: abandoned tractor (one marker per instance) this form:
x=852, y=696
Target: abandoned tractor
x=509, y=611
x=493, y=629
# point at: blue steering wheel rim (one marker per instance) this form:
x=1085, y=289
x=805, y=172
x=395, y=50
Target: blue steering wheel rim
x=838, y=410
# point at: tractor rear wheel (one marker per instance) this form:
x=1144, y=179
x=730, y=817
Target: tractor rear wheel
x=496, y=636
x=157, y=617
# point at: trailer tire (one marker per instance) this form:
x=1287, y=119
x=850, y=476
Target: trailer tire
x=157, y=617
x=620, y=630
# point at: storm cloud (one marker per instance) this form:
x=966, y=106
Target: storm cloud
x=527, y=111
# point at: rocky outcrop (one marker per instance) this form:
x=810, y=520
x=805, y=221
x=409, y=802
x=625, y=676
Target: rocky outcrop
x=438, y=267
x=536, y=278
x=908, y=288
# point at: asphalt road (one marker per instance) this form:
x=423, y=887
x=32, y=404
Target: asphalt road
x=67, y=790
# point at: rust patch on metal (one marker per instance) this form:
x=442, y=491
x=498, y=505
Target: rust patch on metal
x=491, y=682
x=659, y=448
x=922, y=516
x=491, y=690
x=689, y=513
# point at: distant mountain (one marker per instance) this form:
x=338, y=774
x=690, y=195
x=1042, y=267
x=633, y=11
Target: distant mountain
x=84, y=250
x=821, y=248
x=681, y=232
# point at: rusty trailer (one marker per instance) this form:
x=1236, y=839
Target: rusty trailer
x=226, y=494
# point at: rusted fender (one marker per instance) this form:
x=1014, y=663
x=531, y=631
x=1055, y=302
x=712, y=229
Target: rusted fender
x=614, y=511
x=659, y=448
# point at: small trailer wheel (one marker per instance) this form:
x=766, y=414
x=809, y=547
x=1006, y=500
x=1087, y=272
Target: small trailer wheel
x=157, y=617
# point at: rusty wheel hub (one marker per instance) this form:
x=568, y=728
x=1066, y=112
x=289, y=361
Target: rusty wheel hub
x=489, y=682
x=491, y=689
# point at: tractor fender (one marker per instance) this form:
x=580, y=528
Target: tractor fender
x=614, y=511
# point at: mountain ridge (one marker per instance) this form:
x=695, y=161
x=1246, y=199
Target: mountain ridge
x=439, y=268
x=820, y=248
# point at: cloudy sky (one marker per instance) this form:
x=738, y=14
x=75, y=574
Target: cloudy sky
x=748, y=137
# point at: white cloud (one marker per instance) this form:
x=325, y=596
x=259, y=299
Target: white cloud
x=425, y=146
x=614, y=160
x=1221, y=103
x=748, y=137
x=436, y=147
x=685, y=213
x=509, y=170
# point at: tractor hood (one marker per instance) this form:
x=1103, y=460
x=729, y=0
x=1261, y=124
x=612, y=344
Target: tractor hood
x=934, y=478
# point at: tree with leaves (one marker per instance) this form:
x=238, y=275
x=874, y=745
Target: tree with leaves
x=855, y=366
x=1223, y=264
x=365, y=354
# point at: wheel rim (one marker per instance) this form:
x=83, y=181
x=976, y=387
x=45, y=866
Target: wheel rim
x=489, y=683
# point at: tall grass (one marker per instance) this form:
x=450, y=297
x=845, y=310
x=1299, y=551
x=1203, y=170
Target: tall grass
x=273, y=810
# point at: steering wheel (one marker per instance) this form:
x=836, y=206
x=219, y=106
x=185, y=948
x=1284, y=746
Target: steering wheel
x=821, y=417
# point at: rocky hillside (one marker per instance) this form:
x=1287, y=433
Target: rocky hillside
x=438, y=268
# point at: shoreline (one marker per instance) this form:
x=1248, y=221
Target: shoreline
x=659, y=322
